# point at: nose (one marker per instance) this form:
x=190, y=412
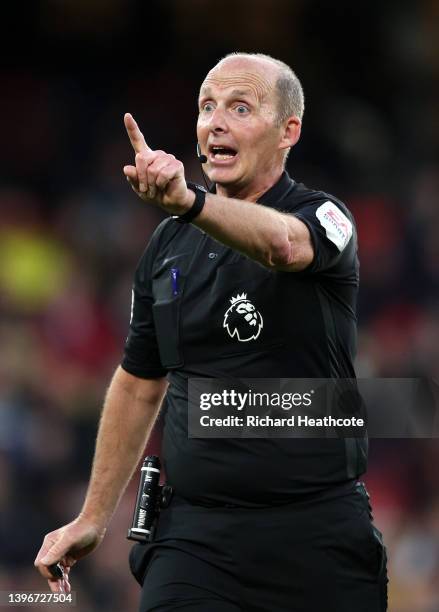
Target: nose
x=218, y=121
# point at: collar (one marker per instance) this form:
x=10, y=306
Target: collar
x=278, y=191
x=275, y=194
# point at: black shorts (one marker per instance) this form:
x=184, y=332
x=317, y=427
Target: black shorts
x=322, y=556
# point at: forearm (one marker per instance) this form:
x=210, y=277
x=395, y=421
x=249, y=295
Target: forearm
x=270, y=237
x=129, y=413
x=255, y=230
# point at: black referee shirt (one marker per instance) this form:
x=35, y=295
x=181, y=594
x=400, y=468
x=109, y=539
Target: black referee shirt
x=202, y=309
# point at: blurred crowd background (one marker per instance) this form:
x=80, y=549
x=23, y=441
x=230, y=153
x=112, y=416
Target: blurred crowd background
x=71, y=232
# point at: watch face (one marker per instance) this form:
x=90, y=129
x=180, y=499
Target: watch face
x=196, y=187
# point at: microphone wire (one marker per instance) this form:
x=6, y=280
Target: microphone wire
x=203, y=159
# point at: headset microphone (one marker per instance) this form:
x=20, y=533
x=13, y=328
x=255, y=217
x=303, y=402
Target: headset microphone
x=201, y=158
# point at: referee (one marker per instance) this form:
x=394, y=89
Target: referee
x=258, y=278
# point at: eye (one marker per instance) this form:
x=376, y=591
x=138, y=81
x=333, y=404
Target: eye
x=241, y=109
x=207, y=107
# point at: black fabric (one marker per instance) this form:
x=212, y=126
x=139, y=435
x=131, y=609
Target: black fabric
x=306, y=328
x=141, y=356
x=210, y=272
x=303, y=557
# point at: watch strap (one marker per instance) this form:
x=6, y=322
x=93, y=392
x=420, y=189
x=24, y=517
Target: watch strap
x=197, y=206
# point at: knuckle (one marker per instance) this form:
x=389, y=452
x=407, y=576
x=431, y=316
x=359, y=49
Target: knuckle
x=166, y=172
x=143, y=158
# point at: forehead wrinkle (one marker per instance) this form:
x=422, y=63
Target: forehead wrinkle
x=257, y=84
x=206, y=92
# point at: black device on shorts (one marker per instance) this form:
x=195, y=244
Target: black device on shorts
x=151, y=497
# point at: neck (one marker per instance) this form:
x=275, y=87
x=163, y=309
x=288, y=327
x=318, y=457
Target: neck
x=251, y=192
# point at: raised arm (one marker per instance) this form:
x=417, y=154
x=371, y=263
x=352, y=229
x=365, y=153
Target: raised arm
x=130, y=410
x=272, y=238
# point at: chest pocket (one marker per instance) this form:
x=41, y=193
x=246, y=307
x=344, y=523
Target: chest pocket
x=167, y=287
x=243, y=308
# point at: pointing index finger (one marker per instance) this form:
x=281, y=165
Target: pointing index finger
x=134, y=134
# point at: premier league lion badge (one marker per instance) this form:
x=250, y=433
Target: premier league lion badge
x=242, y=320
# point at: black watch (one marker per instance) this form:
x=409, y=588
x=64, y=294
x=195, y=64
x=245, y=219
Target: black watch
x=197, y=206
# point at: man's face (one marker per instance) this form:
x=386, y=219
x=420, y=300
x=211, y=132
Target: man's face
x=236, y=126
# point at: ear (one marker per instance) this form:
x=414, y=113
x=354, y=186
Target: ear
x=290, y=132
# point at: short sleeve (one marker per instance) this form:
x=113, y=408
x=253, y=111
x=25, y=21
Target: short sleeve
x=332, y=233
x=141, y=355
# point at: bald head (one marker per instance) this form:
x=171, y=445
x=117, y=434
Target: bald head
x=273, y=75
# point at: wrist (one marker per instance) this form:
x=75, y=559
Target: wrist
x=189, y=202
x=99, y=520
x=183, y=207
x=198, y=199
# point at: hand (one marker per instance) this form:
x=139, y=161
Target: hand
x=157, y=176
x=66, y=546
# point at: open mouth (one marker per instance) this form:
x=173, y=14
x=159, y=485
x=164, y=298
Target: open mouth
x=220, y=153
